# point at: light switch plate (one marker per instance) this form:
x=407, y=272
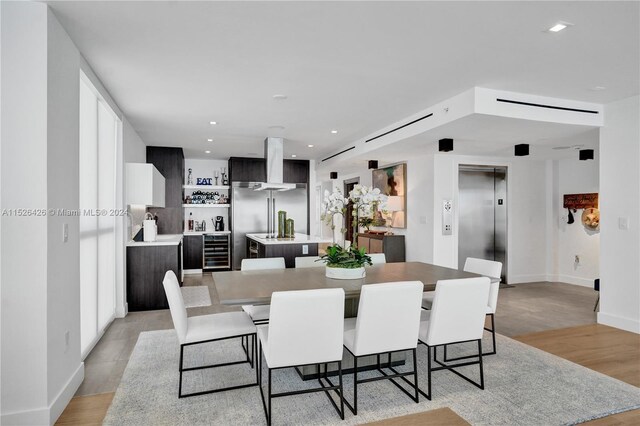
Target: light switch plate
x=447, y=217
x=305, y=249
x=623, y=223
x=65, y=232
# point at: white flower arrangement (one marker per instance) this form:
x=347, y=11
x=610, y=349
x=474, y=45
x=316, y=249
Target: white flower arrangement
x=363, y=200
x=334, y=203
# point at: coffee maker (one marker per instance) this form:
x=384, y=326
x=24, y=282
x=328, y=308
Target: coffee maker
x=219, y=223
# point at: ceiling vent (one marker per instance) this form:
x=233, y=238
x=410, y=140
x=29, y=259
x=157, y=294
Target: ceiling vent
x=530, y=104
x=398, y=128
x=339, y=153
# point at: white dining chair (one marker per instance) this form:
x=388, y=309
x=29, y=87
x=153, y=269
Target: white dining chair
x=206, y=328
x=308, y=262
x=377, y=258
x=260, y=313
x=388, y=321
x=456, y=316
x=487, y=268
x=306, y=328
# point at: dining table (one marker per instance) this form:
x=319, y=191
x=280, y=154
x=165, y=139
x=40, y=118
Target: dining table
x=256, y=287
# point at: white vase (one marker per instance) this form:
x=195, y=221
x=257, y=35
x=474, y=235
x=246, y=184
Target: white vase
x=345, y=273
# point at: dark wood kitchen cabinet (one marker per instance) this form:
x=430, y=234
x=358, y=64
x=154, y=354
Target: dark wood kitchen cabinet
x=296, y=171
x=242, y=169
x=146, y=266
x=170, y=163
x=193, y=252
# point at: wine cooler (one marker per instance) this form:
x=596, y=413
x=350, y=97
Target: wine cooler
x=216, y=253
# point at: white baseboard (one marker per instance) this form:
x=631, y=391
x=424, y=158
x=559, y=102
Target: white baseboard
x=622, y=323
x=61, y=400
x=569, y=279
x=192, y=271
x=30, y=417
x=519, y=279
x=48, y=415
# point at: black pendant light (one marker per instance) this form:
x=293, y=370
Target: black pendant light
x=333, y=175
x=373, y=164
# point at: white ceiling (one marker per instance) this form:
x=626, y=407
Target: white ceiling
x=351, y=66
x=486, y=135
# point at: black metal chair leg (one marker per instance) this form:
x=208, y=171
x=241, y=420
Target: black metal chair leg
x=355, y=386
x=181, y=366
x=428, y=395
x=415, y=373
x=341, y=390
x=481, y=366
x=269, y=395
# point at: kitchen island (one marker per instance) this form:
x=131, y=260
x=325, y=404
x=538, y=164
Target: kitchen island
x=259, y=246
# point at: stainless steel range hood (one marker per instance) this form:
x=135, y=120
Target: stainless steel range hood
x=274, y=156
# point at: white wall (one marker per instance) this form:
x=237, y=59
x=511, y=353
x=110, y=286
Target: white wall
x=23, y=367
x=620, y=200
x=572, y=176
x=65, y=369
x=40, y=368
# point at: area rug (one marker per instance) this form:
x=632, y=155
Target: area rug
x=524, y=386
x=196, y=296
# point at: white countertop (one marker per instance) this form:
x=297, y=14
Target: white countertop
x=161, y=240
x=298, y=239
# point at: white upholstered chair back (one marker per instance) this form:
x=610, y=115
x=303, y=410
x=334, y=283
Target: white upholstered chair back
x=262, y=264
x=305, y=327
x=378, y=258
x=308, y=262
x=388, y=317
x=458, y=311
x=176, y=304
x=487, y=268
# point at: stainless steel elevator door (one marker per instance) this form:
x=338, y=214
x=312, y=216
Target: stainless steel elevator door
x=482, y=215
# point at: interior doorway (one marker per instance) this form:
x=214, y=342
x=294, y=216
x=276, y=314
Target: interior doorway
x=348, y=218
x=482, y=224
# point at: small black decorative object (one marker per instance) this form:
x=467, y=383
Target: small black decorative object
x=373, y=164
x=586, y=154
x=445, y=145
x=570, y=218
x=522, y=150
x=333, y=175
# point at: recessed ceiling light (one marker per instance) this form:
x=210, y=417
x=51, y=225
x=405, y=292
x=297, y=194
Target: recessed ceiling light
x=598, y=88
x=334, y=131
x=209, y=140
x=279, y=97
x=293, y=156
x=559, y=27
x=310, y=146
x=276, y=127
x=213, y=123
x=207, y=152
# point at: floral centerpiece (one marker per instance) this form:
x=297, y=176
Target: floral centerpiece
x=342, y=262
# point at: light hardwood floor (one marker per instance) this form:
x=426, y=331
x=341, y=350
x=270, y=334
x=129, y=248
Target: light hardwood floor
x=554, y=317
